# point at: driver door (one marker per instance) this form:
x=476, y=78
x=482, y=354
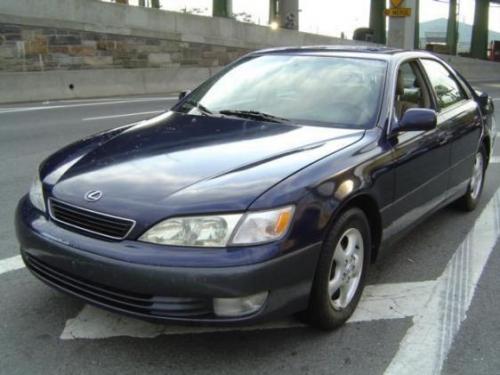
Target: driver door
x=421, y=158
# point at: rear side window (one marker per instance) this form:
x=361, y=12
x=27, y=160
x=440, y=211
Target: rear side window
x=446, y=87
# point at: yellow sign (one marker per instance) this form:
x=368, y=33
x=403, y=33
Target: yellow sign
x=398, y=12
x=396, y=3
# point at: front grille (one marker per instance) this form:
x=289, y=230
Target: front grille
x=90, y=221
x=133, y=303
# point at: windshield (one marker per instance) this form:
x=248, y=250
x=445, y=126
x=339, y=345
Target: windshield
x=323, y=90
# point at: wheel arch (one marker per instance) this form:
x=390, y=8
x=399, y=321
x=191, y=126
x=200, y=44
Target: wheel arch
x=366, y=203
x=486, y=142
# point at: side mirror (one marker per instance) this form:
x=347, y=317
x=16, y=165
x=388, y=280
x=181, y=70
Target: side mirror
x=417, y=119
x=183, y=94
x=484, y=102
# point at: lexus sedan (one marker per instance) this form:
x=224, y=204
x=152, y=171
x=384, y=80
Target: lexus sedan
x=266, y=191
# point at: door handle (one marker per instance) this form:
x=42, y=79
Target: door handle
x=442, y=140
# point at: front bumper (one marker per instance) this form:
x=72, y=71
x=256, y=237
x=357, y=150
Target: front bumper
x=158, y=292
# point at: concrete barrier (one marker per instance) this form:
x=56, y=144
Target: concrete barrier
x=473, y=69
x=38, y=86
x=73, y=84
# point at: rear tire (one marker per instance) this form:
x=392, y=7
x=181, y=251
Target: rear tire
x=341, y=271
x=469, y=201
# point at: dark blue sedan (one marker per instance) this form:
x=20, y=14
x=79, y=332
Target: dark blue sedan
x=266, y=191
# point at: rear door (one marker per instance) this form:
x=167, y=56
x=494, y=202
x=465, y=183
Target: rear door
x=459, y=118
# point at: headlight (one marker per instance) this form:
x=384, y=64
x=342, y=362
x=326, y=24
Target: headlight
x=264, y=226
x=36, y=194
x=210, y=231
x=217, y=230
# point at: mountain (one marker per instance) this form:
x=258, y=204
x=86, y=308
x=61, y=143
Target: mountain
x=435, y=32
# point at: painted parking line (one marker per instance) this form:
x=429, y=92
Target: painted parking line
x=121, y=115
x=425, y=346
x=11, y=264
x=383, y=301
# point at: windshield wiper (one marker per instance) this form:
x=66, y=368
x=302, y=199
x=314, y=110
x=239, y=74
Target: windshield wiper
x=200, y=107
x=256, y=115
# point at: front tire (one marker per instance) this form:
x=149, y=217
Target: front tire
x=341, y=272
x=469, y=201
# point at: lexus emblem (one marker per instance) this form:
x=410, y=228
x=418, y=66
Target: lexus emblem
x=93, y=195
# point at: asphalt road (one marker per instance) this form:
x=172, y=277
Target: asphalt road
x=430, y=276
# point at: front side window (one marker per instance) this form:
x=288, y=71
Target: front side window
x=315, y=90
x=410, y=89
x=446, y=88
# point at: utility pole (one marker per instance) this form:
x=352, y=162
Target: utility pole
x=452, y=29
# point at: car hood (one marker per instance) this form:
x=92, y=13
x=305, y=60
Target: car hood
x=178, y=163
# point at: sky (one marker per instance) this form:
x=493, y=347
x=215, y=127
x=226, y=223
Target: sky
x=332, y=17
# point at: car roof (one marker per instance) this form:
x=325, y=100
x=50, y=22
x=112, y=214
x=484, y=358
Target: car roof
x=386, y=53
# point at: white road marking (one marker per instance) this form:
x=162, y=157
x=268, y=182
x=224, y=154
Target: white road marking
x=495, y=159
x=97, y=100
x=122, y=115
x=384, y=301
x=38, y=108
x=427, y=343
x=11, y=264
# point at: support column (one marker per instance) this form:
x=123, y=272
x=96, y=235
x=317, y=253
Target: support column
x=452, y=30
x=402, y=29
x=273, y=11
x=285, y=13
x=377, y=20
x=416, y=43
x=289, y=14
x=222, y=8
x=479, y=42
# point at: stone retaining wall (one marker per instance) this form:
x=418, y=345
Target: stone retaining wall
x=26, y=48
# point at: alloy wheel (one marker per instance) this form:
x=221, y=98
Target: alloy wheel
x=477, y=176
x=346, y=268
